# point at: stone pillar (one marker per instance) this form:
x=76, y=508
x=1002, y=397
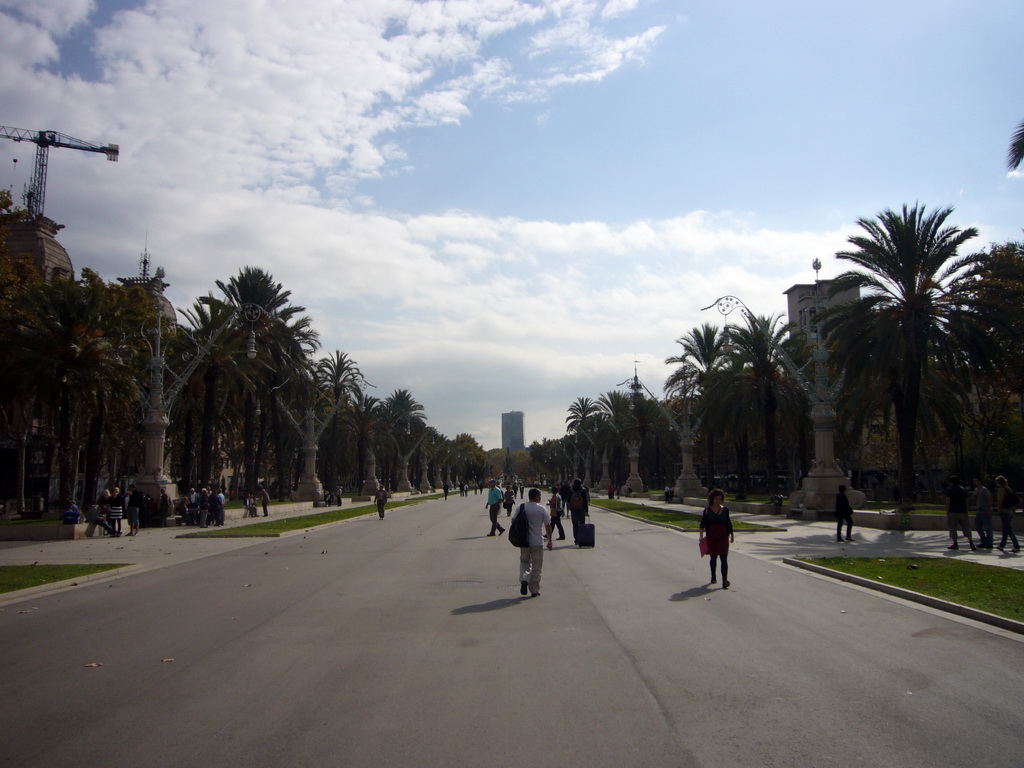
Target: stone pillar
x=154, y=424
x=605, y=480
x=309, y=487
x=817, y=494
x=687, y=484
x=404, y=486
x=370, y=484
x=634, y=482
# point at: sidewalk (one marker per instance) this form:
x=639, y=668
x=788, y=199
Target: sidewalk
x=152, y=548
x=799, y=538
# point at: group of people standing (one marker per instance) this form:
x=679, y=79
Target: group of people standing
x=114, y=507
x=1003, y=502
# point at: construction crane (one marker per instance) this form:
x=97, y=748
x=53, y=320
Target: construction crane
x=35, y=197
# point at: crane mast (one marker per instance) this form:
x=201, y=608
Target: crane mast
x=35, y=197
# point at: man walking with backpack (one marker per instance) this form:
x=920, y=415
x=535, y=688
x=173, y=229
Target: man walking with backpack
x=531, y=552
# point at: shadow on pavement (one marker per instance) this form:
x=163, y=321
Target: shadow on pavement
x=819, y=545
x=691, y=593
x=493, y=605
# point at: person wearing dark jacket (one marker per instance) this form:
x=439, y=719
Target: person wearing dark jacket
x=136, y=502
x=844, y=514
x=579, y=507
x=717, y=527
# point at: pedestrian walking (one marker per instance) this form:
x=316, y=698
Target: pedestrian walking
x=509, y=499
x=555, y=505
x=982, y=498
x=382, y=500
x=493, y=505
x=956, y=513
x=265, y=500
x=844, y=514
x=531, y=558
x=1006, y=503
x=716, y=527
x=579, y=507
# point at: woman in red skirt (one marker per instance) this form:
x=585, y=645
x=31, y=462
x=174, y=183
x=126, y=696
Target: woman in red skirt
x=716, y=525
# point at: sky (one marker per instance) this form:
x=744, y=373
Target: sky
x=509, y=204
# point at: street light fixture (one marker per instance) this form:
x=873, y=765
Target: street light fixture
x=818, y=489
x=158, y=403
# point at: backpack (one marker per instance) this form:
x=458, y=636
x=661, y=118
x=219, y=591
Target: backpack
x=519, y=528
x=576, y=502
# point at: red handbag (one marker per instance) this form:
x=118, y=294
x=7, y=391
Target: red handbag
x=703, y=542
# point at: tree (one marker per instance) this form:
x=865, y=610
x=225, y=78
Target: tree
x=913, y=313
x=66, y=343
x=758, y=376
x=702, y=354
x=287, y=337
x=340, y=379
x=1016, y=153
x=405, y=426
x=581, y=422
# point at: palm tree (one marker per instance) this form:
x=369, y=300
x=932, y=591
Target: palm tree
x=208, y=316
x=913, y=313
x=365, y=420
x=759, y=376
x=582, y=418
x=702, y=353
x=286, y=335
x=405, y=422
x=1016, y=152
x=61, y=344
x=340, y=379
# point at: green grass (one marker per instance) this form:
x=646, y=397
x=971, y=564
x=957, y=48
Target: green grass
x=989, y=588
x=678, y=518
x=270, y=528
x=15, y=577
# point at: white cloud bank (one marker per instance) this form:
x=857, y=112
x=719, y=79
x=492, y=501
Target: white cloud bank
x=246, y=128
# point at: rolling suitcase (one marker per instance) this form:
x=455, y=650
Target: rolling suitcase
x=585, y=537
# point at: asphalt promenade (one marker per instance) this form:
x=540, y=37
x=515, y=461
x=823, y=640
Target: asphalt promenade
x=787, y=539
x=405, y=642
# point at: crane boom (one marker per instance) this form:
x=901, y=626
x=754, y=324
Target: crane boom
x=36, y=195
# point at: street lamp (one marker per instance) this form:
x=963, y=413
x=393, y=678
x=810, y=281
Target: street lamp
x=159, y=402
x=818, y=489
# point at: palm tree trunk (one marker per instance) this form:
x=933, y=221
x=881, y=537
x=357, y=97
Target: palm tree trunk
x=283, y=487
x=209, y=416
x=248, y=445
x=709, y=469
x=742, y=465
x=257, y=462
x=771, y=460
x=65, y=470
x=93, y=456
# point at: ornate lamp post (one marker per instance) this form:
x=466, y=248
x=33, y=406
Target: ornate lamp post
x=159, y=401
x=818, y=489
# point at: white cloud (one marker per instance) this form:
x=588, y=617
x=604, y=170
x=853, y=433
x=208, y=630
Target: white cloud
x=246, y=129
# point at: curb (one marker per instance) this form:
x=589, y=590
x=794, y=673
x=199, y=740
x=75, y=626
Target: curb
x=6, y=598
x=676, y=527
x=915, y=597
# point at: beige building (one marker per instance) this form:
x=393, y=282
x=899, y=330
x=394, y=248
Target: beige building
x=806, y=300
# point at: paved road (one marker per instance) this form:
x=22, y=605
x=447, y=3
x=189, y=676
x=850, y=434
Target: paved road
x=404, y=642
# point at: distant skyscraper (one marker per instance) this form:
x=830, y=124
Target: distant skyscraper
x=512, y=431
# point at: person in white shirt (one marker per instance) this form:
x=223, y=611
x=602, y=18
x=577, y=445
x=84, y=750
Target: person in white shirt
x=531, y=558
